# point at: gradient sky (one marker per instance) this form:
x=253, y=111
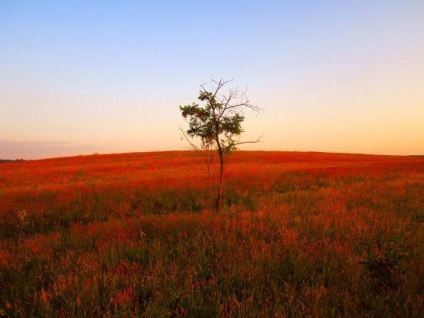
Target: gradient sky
x=78, y=77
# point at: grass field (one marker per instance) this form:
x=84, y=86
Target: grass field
x=133, y=235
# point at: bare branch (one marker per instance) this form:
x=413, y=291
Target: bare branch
x=184, y=135
x=259, y=139
x=219, y=84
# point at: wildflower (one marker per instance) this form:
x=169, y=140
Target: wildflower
x=22, y=215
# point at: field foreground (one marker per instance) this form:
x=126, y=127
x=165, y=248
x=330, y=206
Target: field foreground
x=300, y=235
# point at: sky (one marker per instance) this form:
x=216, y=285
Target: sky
x=84, y=77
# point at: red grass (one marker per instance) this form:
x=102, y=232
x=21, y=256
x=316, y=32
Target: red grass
x=301, y=234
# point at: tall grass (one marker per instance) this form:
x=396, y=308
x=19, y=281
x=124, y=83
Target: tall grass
x=300, y=235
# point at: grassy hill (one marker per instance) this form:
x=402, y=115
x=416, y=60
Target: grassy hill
x=9, y=160
x=300, y=234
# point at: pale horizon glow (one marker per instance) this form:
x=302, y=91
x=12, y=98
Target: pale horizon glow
x=107, y=77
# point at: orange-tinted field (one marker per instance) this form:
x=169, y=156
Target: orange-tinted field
x=300, y=234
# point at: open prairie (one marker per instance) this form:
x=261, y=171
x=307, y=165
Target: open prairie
x=299, y=235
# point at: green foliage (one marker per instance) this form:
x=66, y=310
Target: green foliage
x=217, y=123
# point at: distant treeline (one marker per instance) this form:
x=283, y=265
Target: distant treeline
x=9, y=160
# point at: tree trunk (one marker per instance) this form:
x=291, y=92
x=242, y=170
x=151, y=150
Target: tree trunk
x=221, y=181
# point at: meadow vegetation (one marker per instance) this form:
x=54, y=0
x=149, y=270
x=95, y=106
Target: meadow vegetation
x=134, y=235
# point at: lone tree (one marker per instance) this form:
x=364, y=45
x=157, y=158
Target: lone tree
x=217, y=123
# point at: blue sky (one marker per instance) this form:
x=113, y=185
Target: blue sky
x=78, y=77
